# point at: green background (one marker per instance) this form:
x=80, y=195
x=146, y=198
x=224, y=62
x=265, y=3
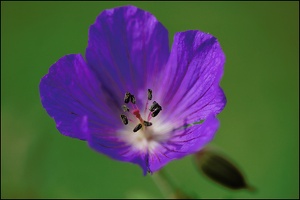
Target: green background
x=259, y=126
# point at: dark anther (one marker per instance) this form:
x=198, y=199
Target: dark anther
x=154, y=106
x=124, y=119
x=132, y=99
x=138, y=127
x=149, y=94
x=127, y=97
x=155, y=113
x=147, y=123
x=125, y=108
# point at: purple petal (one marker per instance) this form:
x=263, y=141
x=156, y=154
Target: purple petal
x=191, y=78
x=69, y=92
x=184, y=142
x=126, y=47
x=107, y=142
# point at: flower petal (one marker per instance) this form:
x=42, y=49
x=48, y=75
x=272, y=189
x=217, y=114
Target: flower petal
x=184, y=142
x=191, y=78
x=105, y=141
x=69, y=92
x=126, y=47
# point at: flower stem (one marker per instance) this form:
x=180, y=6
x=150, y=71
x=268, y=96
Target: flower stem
x=165, y=185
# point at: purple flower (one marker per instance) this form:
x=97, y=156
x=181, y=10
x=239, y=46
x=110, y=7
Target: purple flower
x=132, y=98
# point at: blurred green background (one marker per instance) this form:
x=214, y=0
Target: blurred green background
x=259, y=126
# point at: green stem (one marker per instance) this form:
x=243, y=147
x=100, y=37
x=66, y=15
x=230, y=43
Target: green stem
x=163, y=182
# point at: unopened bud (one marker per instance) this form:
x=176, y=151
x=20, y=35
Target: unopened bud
x=220, y=169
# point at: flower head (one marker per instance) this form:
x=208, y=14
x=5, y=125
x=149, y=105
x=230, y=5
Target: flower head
x=132, y=98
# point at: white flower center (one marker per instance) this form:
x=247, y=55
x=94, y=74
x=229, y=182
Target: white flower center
x=147, y=139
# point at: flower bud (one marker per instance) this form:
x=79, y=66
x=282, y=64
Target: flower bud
x=220, y=169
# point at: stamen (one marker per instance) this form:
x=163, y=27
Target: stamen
x=155, y=113
x=125, y=108
x=127, y=97
x=154, y=106
x=124, y=119
x=138, y=127
x=147, y=123
x=132, y=99
x=149, y=94
x=149, y=116
x=149, y=98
